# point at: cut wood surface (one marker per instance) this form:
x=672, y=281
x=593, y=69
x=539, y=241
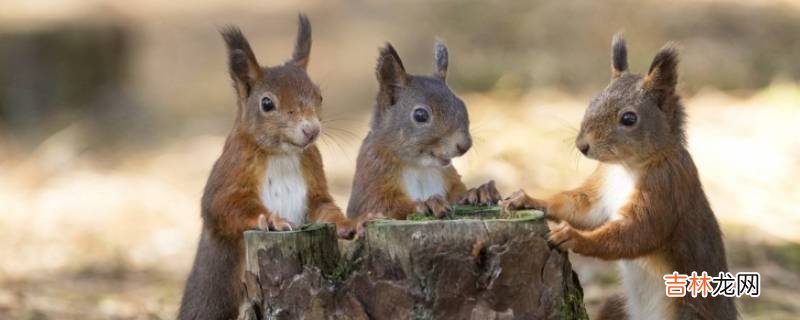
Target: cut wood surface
x=469, y=267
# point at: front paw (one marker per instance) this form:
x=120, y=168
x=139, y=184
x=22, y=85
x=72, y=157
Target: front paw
x=486, y=194
x=362, y=222
x=273, y=223
x=346, y=229
x=435, y=205
x=520, y=200
x=563, y=237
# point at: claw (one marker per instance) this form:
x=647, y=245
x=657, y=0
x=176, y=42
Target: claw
x=276, y=223
x=561, y=236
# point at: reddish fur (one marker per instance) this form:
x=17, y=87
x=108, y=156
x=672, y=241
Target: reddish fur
x=378, y=184
x=667, y=220
x=668, y=216
x=321, y=206
x=232, y=200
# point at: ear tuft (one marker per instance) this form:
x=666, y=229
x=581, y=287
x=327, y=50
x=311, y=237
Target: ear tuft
x=440, y=60
x=302, y=46
x=663, y=73
x=234, y=38
x=390, y=70
x=619, y=55
x=239, y=65
x=242, y=63
x=391, y=76
x=661, y=82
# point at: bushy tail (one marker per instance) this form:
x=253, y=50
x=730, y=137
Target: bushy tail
x=613, y=309
x=213, y=288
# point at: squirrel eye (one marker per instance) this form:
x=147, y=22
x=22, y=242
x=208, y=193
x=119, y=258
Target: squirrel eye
x=628, y=119
x=267, y=104
x=421, y=115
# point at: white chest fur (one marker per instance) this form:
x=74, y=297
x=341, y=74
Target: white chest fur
x=618, y=184
x=423, y=182
x=284, y=189
x=644, y=286
x=642, y=277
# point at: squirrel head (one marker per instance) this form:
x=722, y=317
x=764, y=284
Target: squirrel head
x=278, y=106
x=419, y=117
x=635, y=118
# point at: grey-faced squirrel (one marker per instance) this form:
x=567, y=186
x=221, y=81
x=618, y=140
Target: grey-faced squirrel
x=418, y=125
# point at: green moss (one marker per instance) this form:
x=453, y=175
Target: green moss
x=420, y=217
x=349, y=261
x=420, y=312
x=572, y=306
x=461, y=212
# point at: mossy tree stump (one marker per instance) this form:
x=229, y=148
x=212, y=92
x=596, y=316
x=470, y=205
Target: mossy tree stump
x=499, y=268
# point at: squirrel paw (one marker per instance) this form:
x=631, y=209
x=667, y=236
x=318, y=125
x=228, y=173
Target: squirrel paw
x=562, y=236
x=520, y=200
x=273, y=223
x=486, y=194
x=346, y=229
x=362, y=222
x=435, y=205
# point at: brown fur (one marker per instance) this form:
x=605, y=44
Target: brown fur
x=377, y=186
x=396, y=141
x=666, y=222
x=612, y=309
x=231, y=201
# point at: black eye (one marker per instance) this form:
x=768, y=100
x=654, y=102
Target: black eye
x=628, y=119
x=267, y=104
x=421, y=115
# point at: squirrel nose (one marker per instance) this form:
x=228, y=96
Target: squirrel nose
x=584, y=148
x=463, y=147
x=311, y=132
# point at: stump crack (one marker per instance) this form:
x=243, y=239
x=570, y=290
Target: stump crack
x=455, y=269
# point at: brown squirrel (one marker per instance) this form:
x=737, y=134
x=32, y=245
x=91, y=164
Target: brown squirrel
x=644, y=205
x=418, y=125
x=270, y=172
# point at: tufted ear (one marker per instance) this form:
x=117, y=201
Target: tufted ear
x=619, y=56
x=242, y=62
x=661, y=82
x=440, y=60
x=390, y=72
x=662, y=77
x=302, y=46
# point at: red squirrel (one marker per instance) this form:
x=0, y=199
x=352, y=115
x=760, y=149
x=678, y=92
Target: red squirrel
x=644, y=205
x=418, y=125
x=270, y=170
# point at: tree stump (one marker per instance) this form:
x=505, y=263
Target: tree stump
x=495, y=268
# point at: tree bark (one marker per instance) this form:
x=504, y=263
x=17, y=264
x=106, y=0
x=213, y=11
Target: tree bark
x=443, y=269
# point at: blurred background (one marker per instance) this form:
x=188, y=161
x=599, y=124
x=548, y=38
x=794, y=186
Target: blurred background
x=112, y=113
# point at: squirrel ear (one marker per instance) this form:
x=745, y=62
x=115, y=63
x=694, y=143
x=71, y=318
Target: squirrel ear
x=440, y=60
x=242, y=62
x=663, y=74
x=302, y=46
x=619, y=56
x=390, y=71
